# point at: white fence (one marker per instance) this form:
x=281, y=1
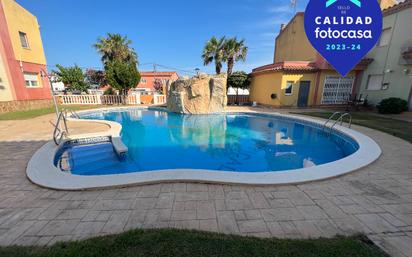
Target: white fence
x=106, y=99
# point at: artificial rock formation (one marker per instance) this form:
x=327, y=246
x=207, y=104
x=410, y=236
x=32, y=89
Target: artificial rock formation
x=199, y=95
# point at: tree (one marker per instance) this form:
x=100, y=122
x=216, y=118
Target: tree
x=213, y=51
x=239, y=80
x=158, y=86
x=115, y=47
x=234, y=51
x=122, y=75
x=95, y=77
x=72, y=78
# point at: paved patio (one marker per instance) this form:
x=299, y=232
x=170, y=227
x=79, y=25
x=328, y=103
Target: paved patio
x=376, y=200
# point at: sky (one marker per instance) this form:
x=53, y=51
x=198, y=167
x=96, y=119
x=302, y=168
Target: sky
x=169, y=33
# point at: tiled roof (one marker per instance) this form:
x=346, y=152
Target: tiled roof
x=158, y=73
x=397, y=7
x=287, y=66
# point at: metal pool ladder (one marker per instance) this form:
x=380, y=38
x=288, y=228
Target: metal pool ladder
x=339, y=119
x=60, y=133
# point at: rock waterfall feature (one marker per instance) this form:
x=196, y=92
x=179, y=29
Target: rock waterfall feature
x=199, y=95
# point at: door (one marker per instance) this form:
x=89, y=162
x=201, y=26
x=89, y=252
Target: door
x=303, y=96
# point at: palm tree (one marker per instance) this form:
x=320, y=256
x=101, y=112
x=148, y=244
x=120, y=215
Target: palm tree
x=115, y=47
x=213, y=51
x=234, y=51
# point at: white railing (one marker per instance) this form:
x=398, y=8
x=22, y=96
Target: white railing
x=79, y=99
x=159, y=99
x=106, y=99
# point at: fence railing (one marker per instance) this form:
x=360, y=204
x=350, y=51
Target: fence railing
x=108, y=99
x=240, y=99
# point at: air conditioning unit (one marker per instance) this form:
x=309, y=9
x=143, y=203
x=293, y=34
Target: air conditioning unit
x=406, y=56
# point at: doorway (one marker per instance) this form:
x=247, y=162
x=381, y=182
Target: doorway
x=303, y=96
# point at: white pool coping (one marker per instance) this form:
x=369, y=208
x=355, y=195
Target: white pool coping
x=42, y=171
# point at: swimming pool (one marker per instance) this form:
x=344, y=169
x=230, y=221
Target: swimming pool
x=248, y=147
x=237, y=142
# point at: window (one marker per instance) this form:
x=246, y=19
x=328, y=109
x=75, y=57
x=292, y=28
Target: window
x=337, y=90
x=23, y=40
x=289, y=87
x=385, y=37
x=143, y=81
x=374, y=82
x=32, y=79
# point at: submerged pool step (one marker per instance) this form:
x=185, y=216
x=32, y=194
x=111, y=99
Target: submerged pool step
x=90, y=153
x=90, y=158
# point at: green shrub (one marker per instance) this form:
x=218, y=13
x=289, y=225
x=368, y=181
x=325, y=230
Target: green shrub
x=392, y=105
x=109, y=91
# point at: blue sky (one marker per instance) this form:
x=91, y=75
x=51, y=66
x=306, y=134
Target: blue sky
x=170, y=33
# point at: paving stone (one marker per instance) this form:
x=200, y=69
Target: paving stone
x=290, y=230
x=44, y=240
x=165, y=201
x=251, y=226
x=331, y=209
x=226, y=222
x=280, y=203
x=327, y=228
x=89, y=228
x=208, y=225
x=11, y=235
x=71, y=215
x=351, y=226
x=26, y=240
x=376, y=223
x=179, y=187
x=57, y=239
x=35, y=228
x=253, y=214
x=59, y=228
x=144, y=203
x=312, y=212
x=192, y=196
x=205, y=210
x=196, y=187
x=113, y=205
x=238, y=204
x=258, y=200
x=393, y=220
x=307, y=229
x=183, y=215
x=136, y=219
x=116, y=222
x=150, y=191
x=275, y=229
x=282, y=214
x=185, y=224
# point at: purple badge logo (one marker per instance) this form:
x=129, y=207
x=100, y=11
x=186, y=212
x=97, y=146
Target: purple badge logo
x=343, y=31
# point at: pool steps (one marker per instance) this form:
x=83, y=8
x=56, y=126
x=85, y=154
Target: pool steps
x=119, y=147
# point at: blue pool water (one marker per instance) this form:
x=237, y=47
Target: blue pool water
x=159, y=140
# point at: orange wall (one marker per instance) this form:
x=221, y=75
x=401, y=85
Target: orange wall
x=14, y=18
x=150, y=78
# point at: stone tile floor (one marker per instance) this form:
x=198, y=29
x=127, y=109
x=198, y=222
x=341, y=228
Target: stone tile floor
x=376, y=200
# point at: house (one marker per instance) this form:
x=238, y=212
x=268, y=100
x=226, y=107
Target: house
x=148, y=79
x=22, y=60
x=390, y=74
x=299, y=76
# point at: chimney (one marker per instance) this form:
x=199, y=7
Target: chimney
x=282, y=26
